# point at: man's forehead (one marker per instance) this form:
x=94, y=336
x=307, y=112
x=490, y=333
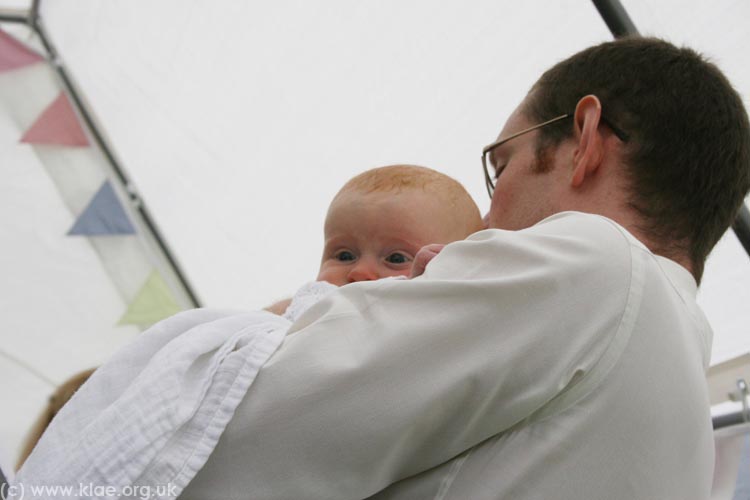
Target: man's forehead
x=516, y=122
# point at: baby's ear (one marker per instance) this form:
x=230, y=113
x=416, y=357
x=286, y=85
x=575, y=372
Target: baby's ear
x=589, y=154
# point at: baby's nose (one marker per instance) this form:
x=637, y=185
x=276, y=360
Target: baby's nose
x=364, y=270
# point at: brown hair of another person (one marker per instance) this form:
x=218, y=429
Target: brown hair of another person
x=56, y=401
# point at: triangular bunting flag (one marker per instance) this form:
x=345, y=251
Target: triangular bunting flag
x=14, y=54
x=153, y=303
x=103, y=216
x=58, y=124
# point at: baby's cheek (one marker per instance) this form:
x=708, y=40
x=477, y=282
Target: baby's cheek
x=332, y=275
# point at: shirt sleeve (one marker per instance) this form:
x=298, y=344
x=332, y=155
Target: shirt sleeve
x=382, y=380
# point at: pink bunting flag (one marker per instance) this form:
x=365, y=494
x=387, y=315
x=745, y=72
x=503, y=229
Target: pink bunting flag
x=14, y=54
x=58, y=124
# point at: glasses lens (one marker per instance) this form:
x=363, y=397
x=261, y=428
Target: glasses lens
x=489, y=172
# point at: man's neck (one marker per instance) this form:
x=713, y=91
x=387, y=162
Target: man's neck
x=635, y=226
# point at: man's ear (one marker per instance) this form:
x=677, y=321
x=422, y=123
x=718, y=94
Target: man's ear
x=590, y=152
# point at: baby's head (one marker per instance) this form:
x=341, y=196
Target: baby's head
x=382, y=217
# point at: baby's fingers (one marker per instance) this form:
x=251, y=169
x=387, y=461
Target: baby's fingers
x=423, y=257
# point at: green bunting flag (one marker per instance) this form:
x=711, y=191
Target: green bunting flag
x=153, y=303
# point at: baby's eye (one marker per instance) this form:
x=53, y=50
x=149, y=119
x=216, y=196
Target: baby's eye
x=397, y=258
x=345, y=256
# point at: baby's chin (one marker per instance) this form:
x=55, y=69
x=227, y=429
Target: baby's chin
x=331, y=281
x=336, y=282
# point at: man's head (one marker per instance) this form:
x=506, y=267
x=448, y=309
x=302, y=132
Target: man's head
x=684, y=168
x=380, y=219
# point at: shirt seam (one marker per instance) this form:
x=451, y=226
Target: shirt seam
x=570, y=395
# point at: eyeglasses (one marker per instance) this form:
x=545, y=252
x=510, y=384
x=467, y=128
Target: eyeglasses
x=487, y=162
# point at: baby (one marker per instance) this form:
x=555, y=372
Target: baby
x=381, y=218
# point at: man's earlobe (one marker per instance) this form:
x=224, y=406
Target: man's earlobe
x=589, y=154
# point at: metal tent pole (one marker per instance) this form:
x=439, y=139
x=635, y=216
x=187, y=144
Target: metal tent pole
x=619, y=23
x=616, y=17
x=13, y=16
x=728, y=420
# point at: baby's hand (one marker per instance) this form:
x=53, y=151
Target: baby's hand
x=423, y=257
x=279, y=308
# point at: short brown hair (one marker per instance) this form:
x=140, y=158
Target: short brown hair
x=688, y=157
x=396, y=178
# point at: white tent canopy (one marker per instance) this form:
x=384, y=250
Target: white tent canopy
x=236, y=122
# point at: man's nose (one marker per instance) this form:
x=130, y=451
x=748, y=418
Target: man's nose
x=364, y=270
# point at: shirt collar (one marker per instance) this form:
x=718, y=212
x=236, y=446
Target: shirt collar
x=679, y=276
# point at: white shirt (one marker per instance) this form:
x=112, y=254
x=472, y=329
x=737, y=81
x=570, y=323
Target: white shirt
x=562, y=362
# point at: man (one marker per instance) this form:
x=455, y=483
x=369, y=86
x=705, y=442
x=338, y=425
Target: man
x=559, y=354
